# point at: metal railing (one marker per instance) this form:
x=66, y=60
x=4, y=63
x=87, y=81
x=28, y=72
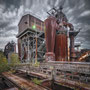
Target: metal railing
x=61, y=69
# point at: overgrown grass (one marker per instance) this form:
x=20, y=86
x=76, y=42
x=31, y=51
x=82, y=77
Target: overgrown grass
x=36, y=64
x=36, y=81
x=4, y=65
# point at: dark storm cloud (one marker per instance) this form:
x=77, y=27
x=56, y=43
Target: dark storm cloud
x=11, y=28
x=86, y=35
x=4, y=24
x=8, y=3
x=84, y=19
x=78, y=13
x=11, y=11
x=87, y=6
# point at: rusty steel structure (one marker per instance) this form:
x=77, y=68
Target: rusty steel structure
x=61, y=47
x=57, y=35
x=51, y=40
x=84, y=56
x=21, y=83
x=52, y=43
x=10, y=47
x=31, y=43
x=70, y=74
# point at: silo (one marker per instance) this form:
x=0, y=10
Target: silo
x=61, y=46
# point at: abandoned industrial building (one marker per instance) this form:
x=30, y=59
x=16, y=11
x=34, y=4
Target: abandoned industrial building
x=62, y=66
x=31, y=42
x=10, y=47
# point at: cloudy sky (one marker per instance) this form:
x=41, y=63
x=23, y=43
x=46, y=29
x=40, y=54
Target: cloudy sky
x=11, y=11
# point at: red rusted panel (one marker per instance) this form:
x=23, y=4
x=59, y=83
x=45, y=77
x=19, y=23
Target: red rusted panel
x=50, y=24
x=61, y=47
x=24, y=23
x=28, y=21
x=25, y=54
x=38, y=27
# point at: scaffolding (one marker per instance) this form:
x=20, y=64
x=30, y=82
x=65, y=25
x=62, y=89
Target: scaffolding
x=31, y=39
x=33, y=45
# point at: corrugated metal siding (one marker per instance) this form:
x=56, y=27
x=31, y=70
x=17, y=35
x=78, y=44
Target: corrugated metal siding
x=61, y=47
x=24, y=23
x=28, y=21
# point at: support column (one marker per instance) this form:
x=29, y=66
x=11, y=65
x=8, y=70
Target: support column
x=36, y=51
x=28, y=49
x=50, y=25
x=72, y=51
x=33, y=50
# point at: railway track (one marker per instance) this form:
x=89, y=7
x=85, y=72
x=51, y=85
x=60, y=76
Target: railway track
x=64, y=73
x=22, y=83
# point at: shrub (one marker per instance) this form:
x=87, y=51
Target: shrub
x=36, y=81
x=37, y=64
x=3, y=63
x=14, y=59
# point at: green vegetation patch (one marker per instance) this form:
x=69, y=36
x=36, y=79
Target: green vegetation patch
x=3, y=63
x=14, y=60
x=36, y=81
x=5, y=66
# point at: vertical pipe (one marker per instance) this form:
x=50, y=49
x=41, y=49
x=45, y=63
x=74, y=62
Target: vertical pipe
x=36, y=51
x=68, y=42
x=28, y=51
x=21, y=50
x=36, y=44
x=71, y=47
x=33, y=50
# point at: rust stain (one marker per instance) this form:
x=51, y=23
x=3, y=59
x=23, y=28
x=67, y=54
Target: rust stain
x=74, y=84
x=24, y=84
